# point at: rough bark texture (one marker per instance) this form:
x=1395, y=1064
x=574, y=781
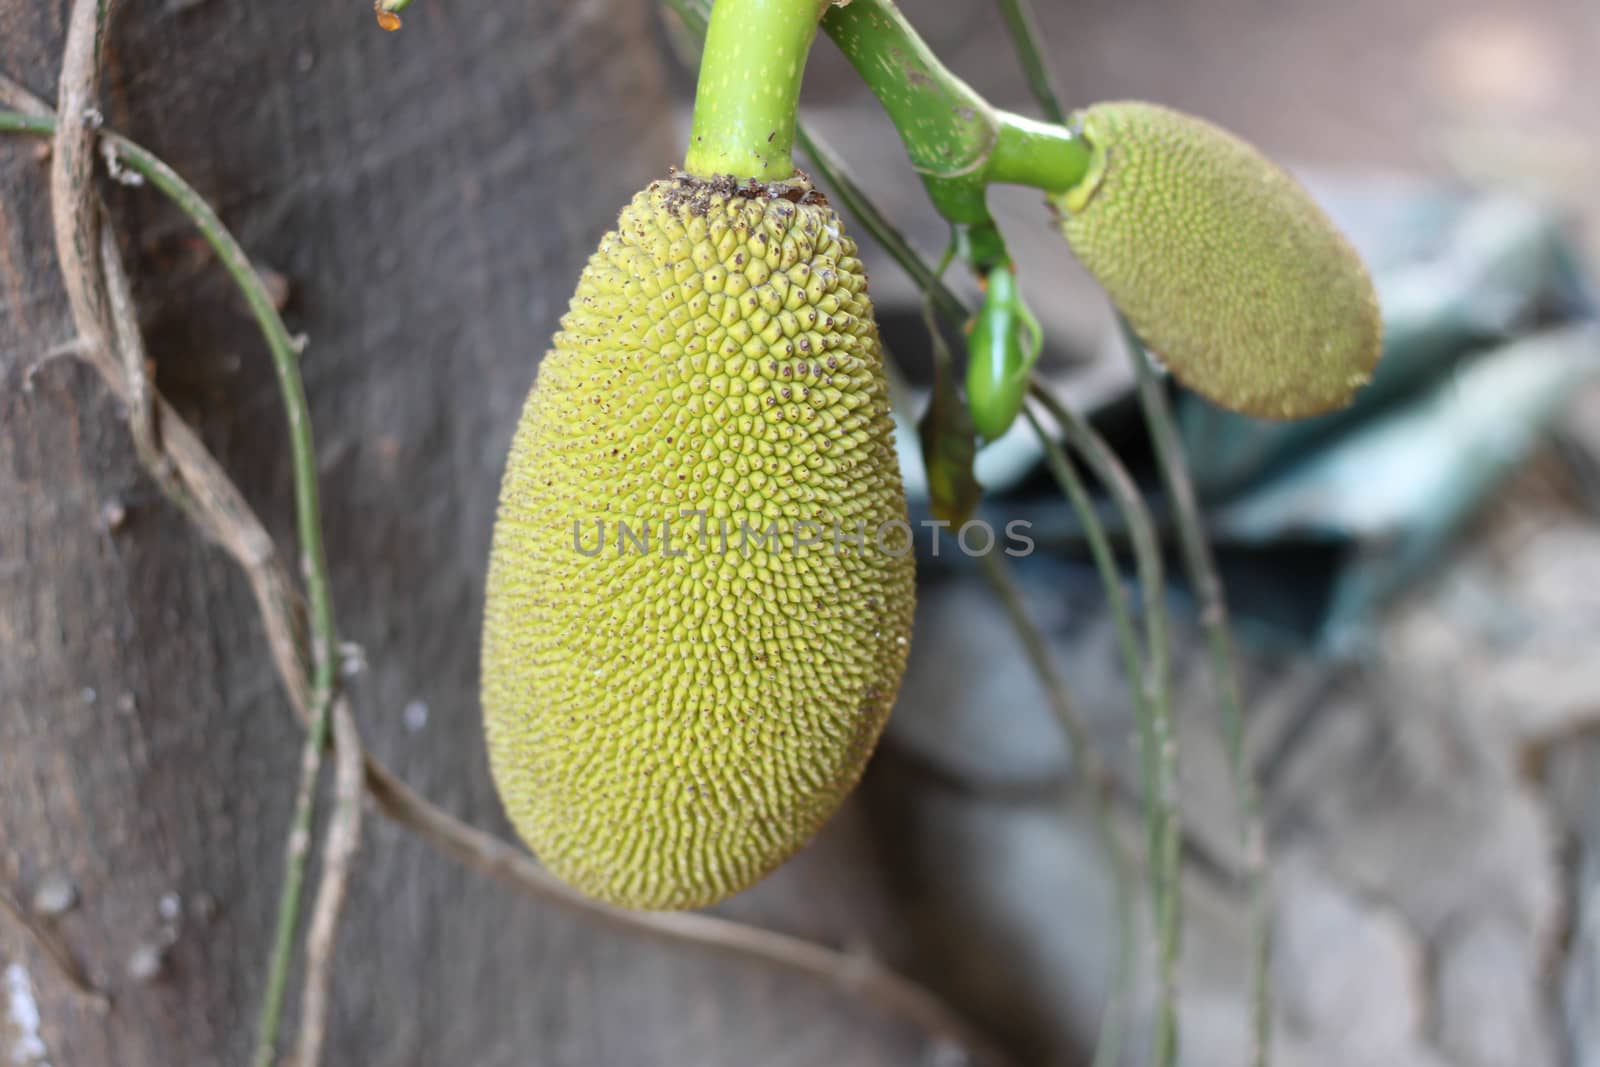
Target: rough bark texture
x=429, y=196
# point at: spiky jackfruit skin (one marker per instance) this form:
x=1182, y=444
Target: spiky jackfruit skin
x=1222, y=262
x=664, y=729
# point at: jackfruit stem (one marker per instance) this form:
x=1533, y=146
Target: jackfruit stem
x=749, y=89
x=947, y=127
x=1038, y=154
x=956, y=140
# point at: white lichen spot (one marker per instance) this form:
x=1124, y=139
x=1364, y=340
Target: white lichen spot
x=415, y=715
x=145, y=963
x=113, y=513
x=55, y=896
x=352, y=660
x=22, y=1012
x=114, y=166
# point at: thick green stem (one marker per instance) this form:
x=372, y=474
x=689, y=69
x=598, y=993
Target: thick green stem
x=955, y=139
x=948, y=128
x=1044, y=156
x=847, y=191
x=749, y=91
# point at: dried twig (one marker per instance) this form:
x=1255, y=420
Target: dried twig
x=856, y=975
x=75, y=213
x=340, y=844
x=296, y=849
x=142, y=413
x=20, y=100
x=223, y=514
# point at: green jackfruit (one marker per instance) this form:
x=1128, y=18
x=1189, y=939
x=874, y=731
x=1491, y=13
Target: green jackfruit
x=700, y=589
x=1222, y=262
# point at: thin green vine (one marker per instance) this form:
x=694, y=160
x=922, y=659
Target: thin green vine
x=1025, y=35
x=1202, y=573
x=1152, y=700
x=1201, y=569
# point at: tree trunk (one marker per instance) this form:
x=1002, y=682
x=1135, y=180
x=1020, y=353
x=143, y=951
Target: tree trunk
x=429, y=196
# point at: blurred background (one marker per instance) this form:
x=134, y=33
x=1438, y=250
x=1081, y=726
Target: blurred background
x=1416, y=583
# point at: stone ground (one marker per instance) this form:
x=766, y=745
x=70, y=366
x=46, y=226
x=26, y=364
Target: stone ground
x=1432, y=812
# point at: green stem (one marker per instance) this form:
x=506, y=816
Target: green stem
x=324, y=651
x=1108, y=1052
x=954, y=138
x=1037, y=154
x=749, y=91
x=848, y=192
x=16, y=122
x=288, y=917
x=948, y=128
x=1152, y=700
x=285, y=360
x=1202, y=572
x=1101, y=788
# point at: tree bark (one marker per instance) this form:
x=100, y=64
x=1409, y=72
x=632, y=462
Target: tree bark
x=429, y=197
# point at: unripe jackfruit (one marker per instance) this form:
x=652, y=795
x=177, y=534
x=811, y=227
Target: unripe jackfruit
x=1223, y=264
x=671, y=716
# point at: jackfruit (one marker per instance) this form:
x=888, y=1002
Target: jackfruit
x=701, y=585
x=1222, y=262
